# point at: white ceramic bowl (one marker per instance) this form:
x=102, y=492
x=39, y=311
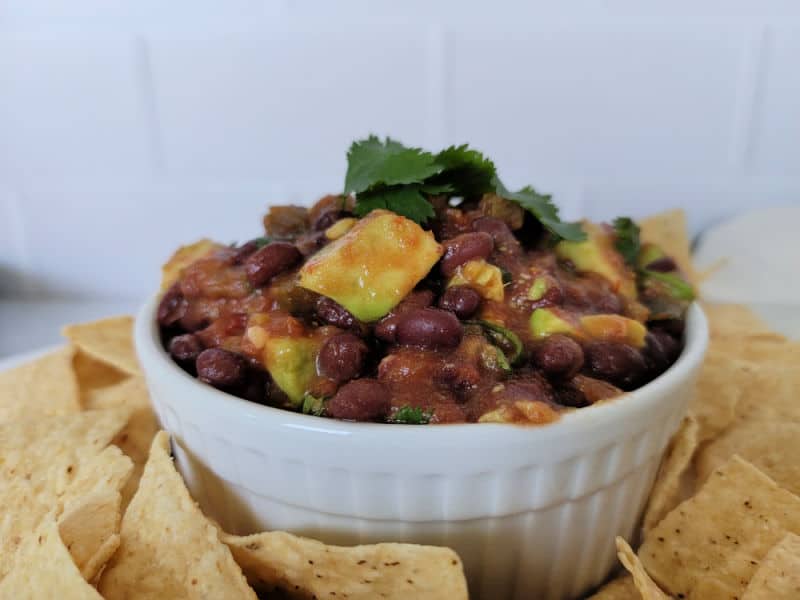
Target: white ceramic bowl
x=532, y=511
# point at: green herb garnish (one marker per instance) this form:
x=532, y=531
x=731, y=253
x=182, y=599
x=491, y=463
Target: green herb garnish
x=411, y=415
x=628, y=243
x=386, y=174
x=313, y=405
x=261, y=241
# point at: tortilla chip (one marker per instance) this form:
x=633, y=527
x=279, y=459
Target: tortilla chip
x=736, y=320
x=45, y=570
x=93, y=377
x=91, y=509
x=108, y=340
x=182, y=258
x=137, y=436
x=709, y=546
x=310, y=568
x=648, y=589
x=719, y=388
x=769, y=393
x=46, y=462
x=669, y=231
x=773, y=447
x=621, y=588
x=778, y=576
x=168, y=549
x=45, y=386
x=671, y=485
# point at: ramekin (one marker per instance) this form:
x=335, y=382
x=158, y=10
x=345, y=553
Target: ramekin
x=531, y=510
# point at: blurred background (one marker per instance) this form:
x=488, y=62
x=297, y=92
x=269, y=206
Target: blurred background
x=128, y=128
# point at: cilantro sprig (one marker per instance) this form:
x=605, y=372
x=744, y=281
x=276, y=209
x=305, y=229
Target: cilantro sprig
x=627, y=243
x=386, y=174
x=411, y=415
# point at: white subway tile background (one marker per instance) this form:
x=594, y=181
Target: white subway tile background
x=129, y=127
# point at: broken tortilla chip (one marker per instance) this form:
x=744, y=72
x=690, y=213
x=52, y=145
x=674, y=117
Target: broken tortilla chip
x=168, y=548
x=671, y=487
x=778, y=575
x=107, y=340
x=45, y=569
x=709, y=547
x=648, y=589
x=669, y=231
x=307, y=567
x=44, y=386
x=772, y=446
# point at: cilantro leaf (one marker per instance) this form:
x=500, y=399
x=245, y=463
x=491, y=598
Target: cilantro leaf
x=371, y=162
x=542, y=207
x=628, y=243
x=411, y=415
x=406, y=200
x=468, y=171
x=262, y=241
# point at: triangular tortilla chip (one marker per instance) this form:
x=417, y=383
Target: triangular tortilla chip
x=778, y=576
x=44, y=463
x=709, y=546
x=168, y=548
x=93, y=377
x=107, y=340
x=45, y=569
x=306, y=567
x=137, y=436
x=45, y=386
x=773, y=447
x=670, y=487
x=648, y=589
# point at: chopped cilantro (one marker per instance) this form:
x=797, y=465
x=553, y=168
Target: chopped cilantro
x=262, y=241
x=313, y=405
x=411, y=415
x=628, y=243
x=386, y=174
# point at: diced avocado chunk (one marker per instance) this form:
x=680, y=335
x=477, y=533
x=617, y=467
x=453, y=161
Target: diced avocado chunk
x=672, y=283
x=614, y=328
x=373, y=266
x=649, y=254
x=291, y=363
x=486, y=279
x=547, y=321
x=538, y=288
x=597, y=254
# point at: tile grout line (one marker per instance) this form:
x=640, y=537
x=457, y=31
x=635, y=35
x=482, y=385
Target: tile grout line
x=147, y=92
x=749, y=98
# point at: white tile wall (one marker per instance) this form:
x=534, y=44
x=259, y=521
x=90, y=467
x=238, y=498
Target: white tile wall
x=126, y=128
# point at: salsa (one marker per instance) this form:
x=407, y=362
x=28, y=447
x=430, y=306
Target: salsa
x=484, y=311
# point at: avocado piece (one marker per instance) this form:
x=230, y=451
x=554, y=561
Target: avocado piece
x=597, y=254
x=614, y=328
x=291, y=363
x=373, y=266
x=672, y=284
x=649, y=253
x=547, y=321
x=539, y=288
x=486, y=279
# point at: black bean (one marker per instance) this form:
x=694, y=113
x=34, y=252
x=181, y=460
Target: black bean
x=342, y=357
x=334, y=313
x=309, y=243
x=620, y=364
x=674, y=327
x=185, y=348
x=429, y=328
x=221, y=368
x=269, y=261
x=661, y=350
x=257, y=386
x=559, y=356
x=360, y=400
x=665, y=264
x=242, y=252
x=386, y=328
x=461, y=300
x=173, y=306
x=504, y=239
x=463, y=248
x=327, y=218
